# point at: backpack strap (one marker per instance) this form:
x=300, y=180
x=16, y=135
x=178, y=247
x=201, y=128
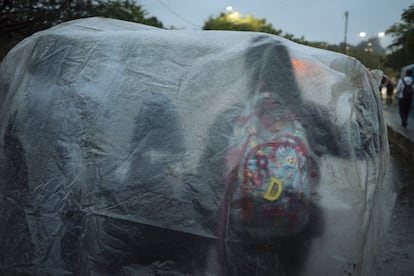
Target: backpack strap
x=406, y=83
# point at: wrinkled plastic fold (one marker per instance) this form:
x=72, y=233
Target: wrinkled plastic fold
x=131, y=150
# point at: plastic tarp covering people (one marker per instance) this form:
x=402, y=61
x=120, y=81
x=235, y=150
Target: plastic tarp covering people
x=131, y=150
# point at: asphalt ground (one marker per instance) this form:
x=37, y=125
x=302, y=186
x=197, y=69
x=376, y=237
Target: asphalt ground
x=396, y=254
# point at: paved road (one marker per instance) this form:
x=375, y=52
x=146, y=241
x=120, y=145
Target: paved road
x=401, y=138
x=396, y=255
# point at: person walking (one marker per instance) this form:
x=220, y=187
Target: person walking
x=382, y=84
x=405, y=88
x=390, y=91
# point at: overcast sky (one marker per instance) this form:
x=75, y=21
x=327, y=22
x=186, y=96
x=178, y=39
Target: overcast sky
x=316, y=20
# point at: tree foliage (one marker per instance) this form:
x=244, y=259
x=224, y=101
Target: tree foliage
x=370, y=52
x=234, y=22
x=21, y=18
x=402, y=47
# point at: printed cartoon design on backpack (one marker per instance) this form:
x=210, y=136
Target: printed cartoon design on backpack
x=408, y=90
x=270, y=170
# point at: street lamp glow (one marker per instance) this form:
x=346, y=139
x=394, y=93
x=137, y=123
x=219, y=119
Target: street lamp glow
x=229, y=8
x=362, y=34
x=381, y=34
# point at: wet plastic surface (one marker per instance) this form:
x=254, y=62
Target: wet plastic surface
x=128, y=150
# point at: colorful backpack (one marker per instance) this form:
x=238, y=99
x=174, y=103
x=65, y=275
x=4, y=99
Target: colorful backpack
x=268, y=168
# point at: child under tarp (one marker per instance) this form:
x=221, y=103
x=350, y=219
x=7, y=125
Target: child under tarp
x=131, y=150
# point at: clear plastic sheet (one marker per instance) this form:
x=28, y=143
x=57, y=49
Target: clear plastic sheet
x=130, y=150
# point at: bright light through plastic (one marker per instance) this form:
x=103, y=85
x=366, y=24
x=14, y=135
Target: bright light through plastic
x=362, y=34
x=229, y=8
x=381, y=34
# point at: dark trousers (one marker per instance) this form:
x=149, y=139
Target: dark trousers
x=389, y=99
x=404, y=109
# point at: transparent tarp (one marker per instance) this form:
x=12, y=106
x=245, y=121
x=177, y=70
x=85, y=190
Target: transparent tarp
x=130, y=150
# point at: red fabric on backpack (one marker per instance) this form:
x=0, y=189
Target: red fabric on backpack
x=268, y=168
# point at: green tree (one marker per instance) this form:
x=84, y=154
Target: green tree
x=234, y=22
x=402, y=47
x=125, y=10
x=19, y=19
x=369, y=52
